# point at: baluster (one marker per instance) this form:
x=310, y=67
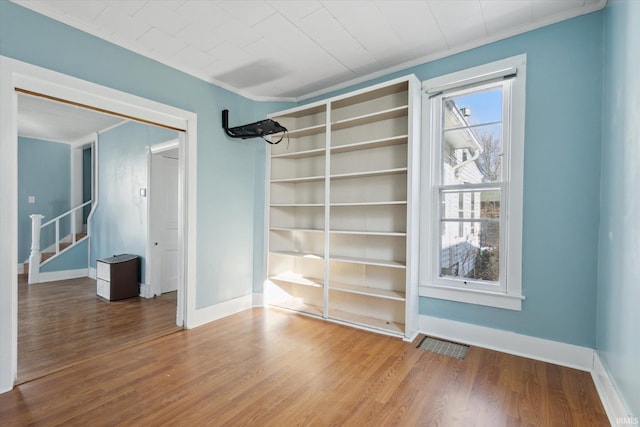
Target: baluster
x=35, y=256
x=73, y=226
x=57, y=236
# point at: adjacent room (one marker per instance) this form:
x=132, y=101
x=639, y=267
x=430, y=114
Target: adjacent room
x=319, y=212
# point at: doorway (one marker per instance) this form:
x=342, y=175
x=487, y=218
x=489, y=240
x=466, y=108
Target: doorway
x=22, y=77
x=163, y=234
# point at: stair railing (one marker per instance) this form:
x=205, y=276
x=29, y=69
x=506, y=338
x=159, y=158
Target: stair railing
x=35, y=256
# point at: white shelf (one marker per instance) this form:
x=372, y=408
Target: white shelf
x=311, y=130
x=300, y=154
x=365, y=290
x=298, y=279
x=395, y=171
x=389, y=203
x=369, y=261
x=299, y=179
x=297, y=205
x=366, y=145
x=306, y=230
x=391, y=113
x=370, y=233
x=310, y=255
x=368, y=321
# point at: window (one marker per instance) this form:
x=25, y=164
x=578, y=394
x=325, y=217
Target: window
x=471, y=208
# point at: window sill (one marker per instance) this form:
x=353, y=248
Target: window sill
x=472, y=296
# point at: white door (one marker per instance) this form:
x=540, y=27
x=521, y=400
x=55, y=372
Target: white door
x=164, y=221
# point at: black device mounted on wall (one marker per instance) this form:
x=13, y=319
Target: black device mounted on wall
x=253, y=130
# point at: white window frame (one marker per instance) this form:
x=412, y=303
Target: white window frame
x=508, y=293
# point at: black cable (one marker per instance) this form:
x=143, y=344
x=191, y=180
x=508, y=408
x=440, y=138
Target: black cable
x=278, y=141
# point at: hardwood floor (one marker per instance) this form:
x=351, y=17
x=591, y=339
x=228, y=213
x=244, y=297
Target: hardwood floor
x=272, y=368
x=62, y=323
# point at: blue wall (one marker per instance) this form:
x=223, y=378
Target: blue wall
x=226, y=175
x=119, y=223
x=561, y=180
x=618, y=319
x=44, y=171
x=74, y=258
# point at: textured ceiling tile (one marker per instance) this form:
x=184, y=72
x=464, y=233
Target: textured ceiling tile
x=129, y=7
x=193, y=59
x=83, y=10
x=414, y=23
x=287, y=38
x=460, y=21
x=116, y=23
x=295, y=10
x=162, y=17
x=323, y=28
x=503, y=15
x=161, y=43
x=198, y=35
x=250, y=12
x=366, y=23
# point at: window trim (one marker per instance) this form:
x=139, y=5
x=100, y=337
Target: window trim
x=509, y=296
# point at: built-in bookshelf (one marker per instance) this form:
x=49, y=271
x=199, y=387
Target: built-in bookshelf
x=342, y=194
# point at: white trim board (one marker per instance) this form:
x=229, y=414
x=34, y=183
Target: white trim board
x=220, y=310
x=53, y=276
x=563, y=354
x=257, y=300
x=608, y=393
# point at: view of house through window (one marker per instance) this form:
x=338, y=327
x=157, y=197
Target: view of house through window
x=471, y=165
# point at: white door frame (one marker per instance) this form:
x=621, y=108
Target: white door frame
x=154, y=287
x=16, y=74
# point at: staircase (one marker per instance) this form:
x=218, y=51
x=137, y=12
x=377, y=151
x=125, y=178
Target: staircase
x=45, y=256
x=60, y=246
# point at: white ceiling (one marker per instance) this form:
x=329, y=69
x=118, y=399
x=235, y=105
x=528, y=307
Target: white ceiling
x=42, y=118
x=286, y=49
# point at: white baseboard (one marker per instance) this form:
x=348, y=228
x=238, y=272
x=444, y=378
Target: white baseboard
x=563, y=354
x=223, y=309
x=20, y=268
x=145, y=290
x=52, y=276
x=613, y=404
x=257, y=300
x=92, y=273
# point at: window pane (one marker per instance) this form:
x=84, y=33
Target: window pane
x=471, y=138
x=474, y=255
x=460, y=204
x=477, y=108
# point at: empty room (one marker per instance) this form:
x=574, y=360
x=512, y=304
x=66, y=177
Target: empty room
x=340, y=212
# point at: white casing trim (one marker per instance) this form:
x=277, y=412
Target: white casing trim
x=572, y=356
x=52, y=276
x=220, y=310
x=145, y=290
x=608, y=392
x=257, y=300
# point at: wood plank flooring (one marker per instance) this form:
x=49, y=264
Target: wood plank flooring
x=64, y=322
x=268, y=367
